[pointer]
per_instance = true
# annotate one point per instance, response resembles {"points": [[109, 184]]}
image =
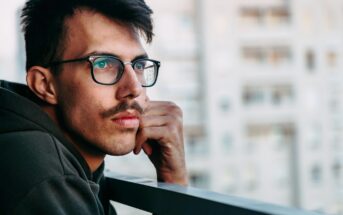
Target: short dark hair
{"points": [[43, 23]]}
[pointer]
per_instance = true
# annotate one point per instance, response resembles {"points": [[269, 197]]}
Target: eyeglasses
{"points": [[108, 69]]}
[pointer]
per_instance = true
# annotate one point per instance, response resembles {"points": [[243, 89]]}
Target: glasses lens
{"points": [[146, 71], [107, 70]]}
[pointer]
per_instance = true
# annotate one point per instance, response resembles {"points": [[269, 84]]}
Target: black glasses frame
{"points": [[92, 58]]}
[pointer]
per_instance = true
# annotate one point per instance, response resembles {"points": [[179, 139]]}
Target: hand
{"points": [[161, 137]]}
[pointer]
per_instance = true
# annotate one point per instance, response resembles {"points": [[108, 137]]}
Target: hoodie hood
{"points": [[20, 110]]}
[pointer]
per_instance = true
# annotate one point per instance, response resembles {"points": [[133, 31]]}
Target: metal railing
{"points": [[165, 199]]}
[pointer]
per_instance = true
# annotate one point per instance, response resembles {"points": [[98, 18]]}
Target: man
{"points": [[87, 74]]}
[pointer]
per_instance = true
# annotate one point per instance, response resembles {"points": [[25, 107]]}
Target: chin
{"points": [[119, 152], [119, 148]]}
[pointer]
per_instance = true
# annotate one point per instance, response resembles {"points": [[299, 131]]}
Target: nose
{"points": [[128, 86]]}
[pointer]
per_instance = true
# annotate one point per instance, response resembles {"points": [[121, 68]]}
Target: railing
{"points": [[165, 199]]}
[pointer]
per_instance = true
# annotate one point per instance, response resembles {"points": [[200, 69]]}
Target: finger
{"points": [[140, 140], [162, 108], [154, 121], [155, 133], [147, 149]]}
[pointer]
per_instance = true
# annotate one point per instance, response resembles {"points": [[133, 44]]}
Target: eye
{"points": [[140, 65], [101, 63]]}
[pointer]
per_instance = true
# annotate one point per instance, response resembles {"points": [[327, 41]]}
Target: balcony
{"points": [[162, 198]]}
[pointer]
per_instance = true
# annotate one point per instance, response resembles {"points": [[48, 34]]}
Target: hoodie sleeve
{"points": [[59, 196]]}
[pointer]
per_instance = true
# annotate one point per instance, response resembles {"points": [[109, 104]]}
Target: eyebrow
{"points": [[141, 56]]}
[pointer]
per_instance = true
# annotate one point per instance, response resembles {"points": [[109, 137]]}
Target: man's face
{"points": [[106, 117]]}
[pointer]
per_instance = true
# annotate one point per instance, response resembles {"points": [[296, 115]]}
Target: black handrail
{"points": [[165, 199]]}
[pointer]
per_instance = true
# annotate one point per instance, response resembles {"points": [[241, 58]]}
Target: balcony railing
{"points": [[165, 199]]}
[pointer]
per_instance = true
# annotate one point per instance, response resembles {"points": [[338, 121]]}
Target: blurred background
{"points": [[260, 84]]}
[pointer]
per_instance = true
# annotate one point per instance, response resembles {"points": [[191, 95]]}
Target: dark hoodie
{"points": [[41, 172]]}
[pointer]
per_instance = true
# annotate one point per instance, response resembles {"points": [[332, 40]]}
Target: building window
{"points": [[251, 16], [337, 171], [280, 135], [275, 95], [281, 94], [283, 135], [267, 55], [265, 16], [253, 96], [279, 15], [310, 60], [331, 59], [316, 174], [253, 55], [227, 141], [200, 180], [224, 105], [279, 55], [195, 145]]}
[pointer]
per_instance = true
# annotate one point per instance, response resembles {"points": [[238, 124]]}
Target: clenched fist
{"points": [[161, 137]]}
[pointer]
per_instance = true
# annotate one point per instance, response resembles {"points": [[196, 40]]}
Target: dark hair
{"points": [[44, 30]]}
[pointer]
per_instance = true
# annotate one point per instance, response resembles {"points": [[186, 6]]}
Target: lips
{"points": [[126, 120]]}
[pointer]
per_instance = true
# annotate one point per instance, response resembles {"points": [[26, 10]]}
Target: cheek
{"points": [[81, 116], [79, 105]]}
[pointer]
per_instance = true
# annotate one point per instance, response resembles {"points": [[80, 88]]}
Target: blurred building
{"points": [[260, 84]]}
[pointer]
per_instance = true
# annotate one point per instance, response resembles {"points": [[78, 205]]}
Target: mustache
{"points": [[122, 107]]}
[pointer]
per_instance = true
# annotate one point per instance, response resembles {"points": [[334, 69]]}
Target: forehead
{"points": [[90, 32]]}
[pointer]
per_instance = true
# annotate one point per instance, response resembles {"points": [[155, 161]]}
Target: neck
{"points": [[93, 157]]}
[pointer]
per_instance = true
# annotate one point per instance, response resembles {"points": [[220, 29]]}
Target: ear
{"points": [[40, 81]]}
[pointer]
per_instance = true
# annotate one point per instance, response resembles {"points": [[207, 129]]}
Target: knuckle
{"points": [[170, 103], [174, 129], [175, 122], [173, 108]]}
